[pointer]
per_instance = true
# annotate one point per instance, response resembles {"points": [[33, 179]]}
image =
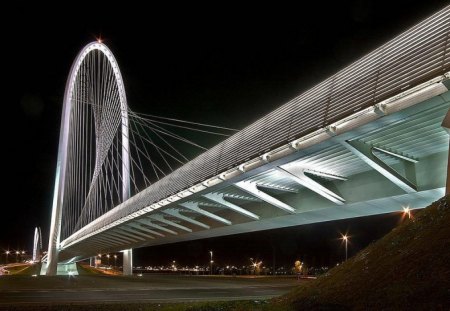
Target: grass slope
{"points": [[85, 269], [23, 269], [408, 269]]}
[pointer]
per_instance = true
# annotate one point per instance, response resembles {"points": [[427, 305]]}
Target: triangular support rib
{"points": [[252, 188], [365, 152]]}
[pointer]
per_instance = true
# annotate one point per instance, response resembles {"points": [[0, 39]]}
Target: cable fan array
{"points": [[94, 173], [162, 144]]}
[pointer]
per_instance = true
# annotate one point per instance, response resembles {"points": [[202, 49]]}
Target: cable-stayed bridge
{"points": [[371, 139]]}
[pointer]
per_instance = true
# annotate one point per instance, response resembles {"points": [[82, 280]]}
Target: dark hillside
{"points": [[408, 269]]}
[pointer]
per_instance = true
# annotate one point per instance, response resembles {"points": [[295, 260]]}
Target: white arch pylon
{"points": [[58, 194]]}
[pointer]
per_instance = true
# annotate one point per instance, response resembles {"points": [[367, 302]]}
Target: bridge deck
{"points": [[295, 158]]}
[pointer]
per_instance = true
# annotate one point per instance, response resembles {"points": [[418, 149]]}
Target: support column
{"points": [[446, 126], [127, 261], [447, 189]]}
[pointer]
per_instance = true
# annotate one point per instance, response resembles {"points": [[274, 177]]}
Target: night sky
{"points": [[226, 65]]}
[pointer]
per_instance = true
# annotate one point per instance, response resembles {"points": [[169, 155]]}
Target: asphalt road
{"points": [[151, 288]]}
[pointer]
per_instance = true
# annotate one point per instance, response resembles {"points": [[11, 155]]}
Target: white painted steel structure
{"points": [[92, 57], [37, 245], [366, 141]]}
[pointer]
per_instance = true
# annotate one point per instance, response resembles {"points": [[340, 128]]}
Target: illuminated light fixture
{"points": [[184, 193], [353, 121], [310, 139], [164, 202], [230, 173], [413, 96], [345, 239], [155, 206], [173, 198], [276, 154], [407, 211], [146, 209], [252, 164], [212, 181], [197, 188]]}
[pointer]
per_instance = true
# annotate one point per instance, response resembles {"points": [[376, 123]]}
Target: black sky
{"points": [[226, 65]]}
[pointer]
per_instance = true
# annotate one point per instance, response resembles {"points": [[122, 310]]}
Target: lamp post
{"points": [[107, 256], [253, 265], [174, 266], [407, 211], [211, 262], [345, 239], [17, 256], [100, 259], [7, 254], [115, 261]]}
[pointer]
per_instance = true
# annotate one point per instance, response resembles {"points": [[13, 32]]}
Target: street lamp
{"points": [[107, 256], [256, 265], [211, 262], [407, 211], [7, 254], [345, 239], [115, 261], [17, 256], [174, 267]]}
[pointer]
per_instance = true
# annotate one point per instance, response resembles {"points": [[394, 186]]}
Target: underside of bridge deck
{"points": [[396, 161]]}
